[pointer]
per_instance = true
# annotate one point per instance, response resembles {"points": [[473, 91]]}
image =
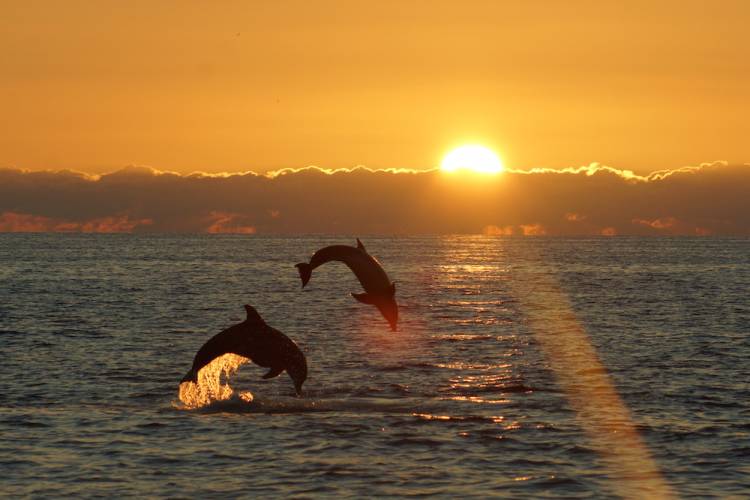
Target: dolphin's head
{"points": [[296, 367], [389, 309]]}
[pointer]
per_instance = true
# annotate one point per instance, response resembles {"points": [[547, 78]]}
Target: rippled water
{"points": [[523, 367]]}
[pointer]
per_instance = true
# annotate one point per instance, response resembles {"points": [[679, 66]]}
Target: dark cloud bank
{"points": [[594, 200]]}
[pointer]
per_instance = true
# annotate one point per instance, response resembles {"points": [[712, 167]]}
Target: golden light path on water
{"points": [[581, 375], [588, 387]]}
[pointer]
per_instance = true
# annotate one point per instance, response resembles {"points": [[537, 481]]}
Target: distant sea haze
{"points": [[710, 199]]}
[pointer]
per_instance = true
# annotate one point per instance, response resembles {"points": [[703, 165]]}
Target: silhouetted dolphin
{"points": [[380, 292], [263, 345]]}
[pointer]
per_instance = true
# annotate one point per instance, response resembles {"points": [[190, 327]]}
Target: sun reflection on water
{"points": [[495, 419], [483, 281], [478, 400]]}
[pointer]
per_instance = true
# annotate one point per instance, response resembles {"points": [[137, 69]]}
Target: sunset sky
{"points": [[609, 118], [234, 86]]}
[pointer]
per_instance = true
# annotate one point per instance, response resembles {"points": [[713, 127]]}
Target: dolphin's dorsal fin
{"points": [[252, 314], [360, 246], [365, 298]]}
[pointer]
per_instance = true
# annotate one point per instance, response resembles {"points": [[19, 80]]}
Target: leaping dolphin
{"points": [[379, 290], [262, 344]]}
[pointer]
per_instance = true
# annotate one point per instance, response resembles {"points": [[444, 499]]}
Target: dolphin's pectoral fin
{"points": [[365, 298], [305, 272], [360, 246], [392, 289], [274, 372]]}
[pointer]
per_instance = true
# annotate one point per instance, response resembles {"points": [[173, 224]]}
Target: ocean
{"points": [[522, 367]]}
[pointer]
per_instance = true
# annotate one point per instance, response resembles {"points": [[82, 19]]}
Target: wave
{"points": [[236, 403]]}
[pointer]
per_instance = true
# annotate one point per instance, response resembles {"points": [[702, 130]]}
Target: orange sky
{"points": [[232, 86]]}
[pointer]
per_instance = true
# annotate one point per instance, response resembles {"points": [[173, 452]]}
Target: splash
{"points": [[213, 383]]}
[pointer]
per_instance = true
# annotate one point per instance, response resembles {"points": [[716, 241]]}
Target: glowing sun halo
{"points": [[474, 158]]}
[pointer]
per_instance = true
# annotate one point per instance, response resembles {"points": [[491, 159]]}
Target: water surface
{"points": [[465, 400]]}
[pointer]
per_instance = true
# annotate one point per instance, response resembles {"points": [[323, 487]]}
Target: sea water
{"points": [[522, 367]]}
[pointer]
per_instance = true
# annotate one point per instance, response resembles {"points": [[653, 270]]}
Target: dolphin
{"points": [[262, 344], [379, 290]]}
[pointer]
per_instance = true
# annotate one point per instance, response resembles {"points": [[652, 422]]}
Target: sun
{"points": [[472, 157]]}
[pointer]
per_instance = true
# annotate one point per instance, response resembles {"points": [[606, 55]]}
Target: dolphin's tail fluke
{"points": [[191, 376], [305, 271]]}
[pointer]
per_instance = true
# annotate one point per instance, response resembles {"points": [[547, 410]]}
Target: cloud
{"points": [[24, 223], [673, 226], [533, 230], [661, 223], [571, 217], [589, 200], [27, 223], [493, 230], [226, 223], [522, 229]]}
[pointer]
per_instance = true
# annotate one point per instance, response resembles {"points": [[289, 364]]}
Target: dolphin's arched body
{"points": [[263, 345], [379, 290]]}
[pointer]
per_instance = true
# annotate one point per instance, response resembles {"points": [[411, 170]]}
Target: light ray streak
{"points": [[581, 375]]}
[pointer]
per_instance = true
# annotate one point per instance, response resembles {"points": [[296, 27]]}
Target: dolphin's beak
{"points": [[393, 321]]}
